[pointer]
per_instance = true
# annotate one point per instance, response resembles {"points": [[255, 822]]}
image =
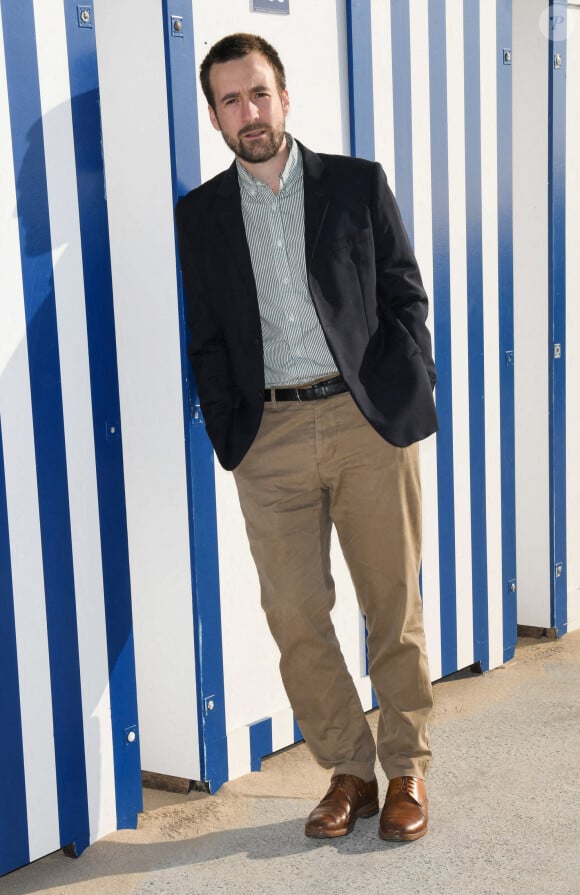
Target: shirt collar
{"points": [[292, 170]]}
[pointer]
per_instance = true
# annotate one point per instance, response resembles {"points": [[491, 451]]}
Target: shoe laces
{"points": [[408, 785]]}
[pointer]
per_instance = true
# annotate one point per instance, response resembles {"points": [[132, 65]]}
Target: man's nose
{"points": [[249, 110]]}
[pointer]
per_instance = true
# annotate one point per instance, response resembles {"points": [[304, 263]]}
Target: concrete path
{"points": [[504, 798]]}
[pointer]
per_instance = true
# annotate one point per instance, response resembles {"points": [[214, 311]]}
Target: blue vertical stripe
{"points": [[83, 74], [402, 110], [186, 174], [557, 336], [360, 78], [442, 331], [13, 816], [506, 325], [260, 742], [471, 32], [298, 737], [47, 411]]}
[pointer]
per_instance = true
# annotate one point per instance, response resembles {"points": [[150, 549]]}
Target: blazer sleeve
{"points": [[400, 292], [207, 346]]}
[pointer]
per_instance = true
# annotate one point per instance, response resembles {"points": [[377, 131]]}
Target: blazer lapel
{"points": [[316, 199], [229, 213], [231, 221]]}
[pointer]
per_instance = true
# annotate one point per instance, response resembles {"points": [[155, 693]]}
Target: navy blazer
{"points": [[365, 285]]}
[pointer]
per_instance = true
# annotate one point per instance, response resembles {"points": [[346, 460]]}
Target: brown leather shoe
{"points": [[406, 811], [347, 799]]}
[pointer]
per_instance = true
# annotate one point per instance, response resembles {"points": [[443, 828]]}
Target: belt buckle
{"points": [[298, 398]]}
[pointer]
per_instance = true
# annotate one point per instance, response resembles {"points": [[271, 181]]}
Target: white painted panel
{"points": [[23, 517], [493, 506], [239, 755], [383, 87], [282, 729], [76, 393], [252, 682], [311, 42], [530, 176], [138, 172], [420, 100], [459, 330], [423, 236], [573, 316]]}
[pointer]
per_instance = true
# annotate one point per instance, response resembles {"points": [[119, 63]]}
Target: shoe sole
{"points": [[367, 812], [404, 837]]}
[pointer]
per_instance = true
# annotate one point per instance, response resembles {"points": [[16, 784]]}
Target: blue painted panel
{"points": [[260, 742], [403, 110], [442, 332], [471, 32], [298, 736], [185, 164], [360, 78], [82, 58], [506, 325], [13, 816], [557, 53]]}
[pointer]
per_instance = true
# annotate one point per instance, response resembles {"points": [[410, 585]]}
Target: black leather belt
{"points": [[335, 386]]}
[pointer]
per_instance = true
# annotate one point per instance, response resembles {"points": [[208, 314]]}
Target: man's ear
{"points": [[285, 101], [213, 118]]}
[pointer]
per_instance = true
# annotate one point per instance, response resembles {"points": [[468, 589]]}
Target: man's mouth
{"points": [[255, 133]]}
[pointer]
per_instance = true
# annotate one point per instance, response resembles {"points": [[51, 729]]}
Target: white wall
{"points": [[139, 196], [531, 309]]}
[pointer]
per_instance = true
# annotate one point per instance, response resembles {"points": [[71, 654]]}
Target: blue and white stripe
{"points": [[97, 403], [445, 169], [68, 600]]}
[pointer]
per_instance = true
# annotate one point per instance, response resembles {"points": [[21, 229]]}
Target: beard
{"points": [[261, 150]]}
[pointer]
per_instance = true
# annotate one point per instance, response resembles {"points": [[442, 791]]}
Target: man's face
{"points": [[249, 111]]}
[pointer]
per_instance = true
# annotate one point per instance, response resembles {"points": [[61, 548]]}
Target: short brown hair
{"points": [[236, 46]]}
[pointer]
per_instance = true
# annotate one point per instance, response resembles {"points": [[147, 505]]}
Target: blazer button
{"points": [[255, 341]]}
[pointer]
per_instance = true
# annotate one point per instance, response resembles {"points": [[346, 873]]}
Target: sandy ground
{"points": [[503, 795]]}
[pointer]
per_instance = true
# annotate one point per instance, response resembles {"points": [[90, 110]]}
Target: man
{"points": [[314, 370]]}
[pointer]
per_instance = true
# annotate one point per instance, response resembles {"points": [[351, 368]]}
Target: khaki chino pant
{"points": [[312, 465]]}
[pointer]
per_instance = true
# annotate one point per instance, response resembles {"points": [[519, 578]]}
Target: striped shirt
{"points": [[295, 349]]}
